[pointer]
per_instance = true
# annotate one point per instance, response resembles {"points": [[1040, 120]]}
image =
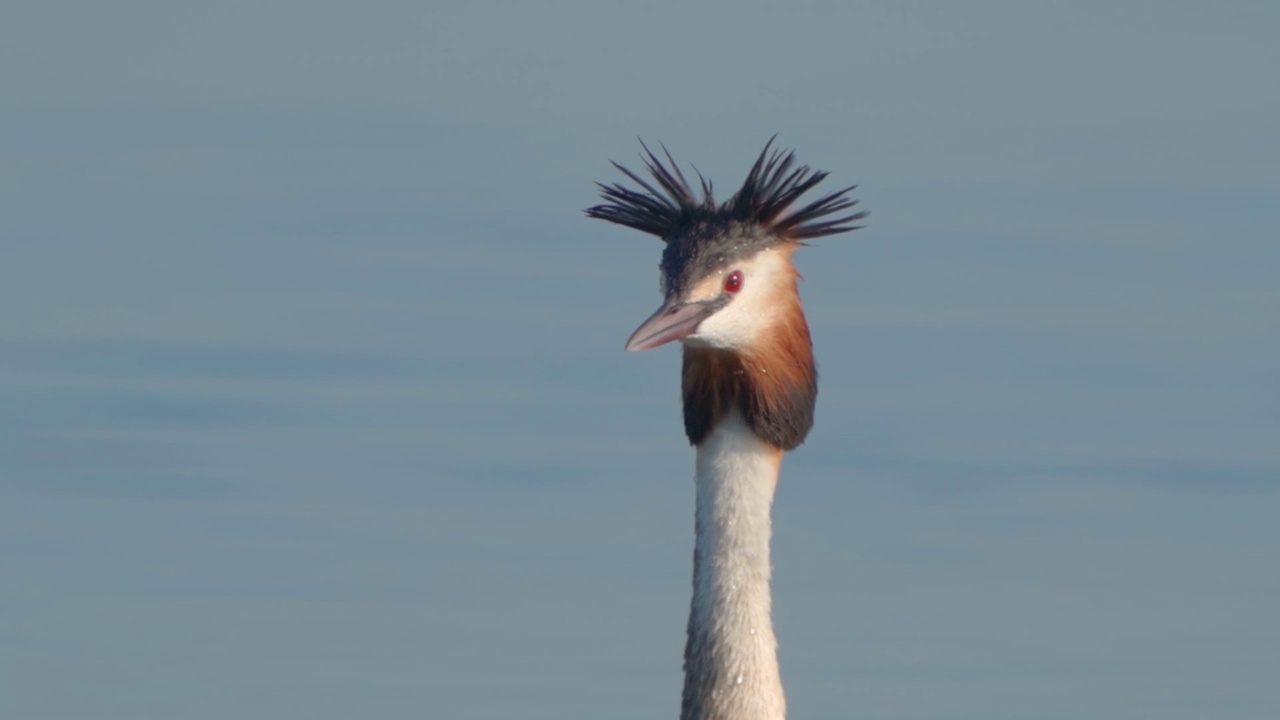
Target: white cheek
{"points": [[727, 329], [752, 311]]}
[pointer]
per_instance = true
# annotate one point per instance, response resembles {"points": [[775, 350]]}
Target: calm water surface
{"points": [[313, 402]]}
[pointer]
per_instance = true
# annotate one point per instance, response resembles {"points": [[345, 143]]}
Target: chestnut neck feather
{"points": [[774, 385]]}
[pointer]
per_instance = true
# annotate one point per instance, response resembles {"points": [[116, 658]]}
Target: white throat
{"points": [[731, 661]]}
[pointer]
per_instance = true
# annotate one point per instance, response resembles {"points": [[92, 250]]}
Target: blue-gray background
{"points": [[313, 402]]}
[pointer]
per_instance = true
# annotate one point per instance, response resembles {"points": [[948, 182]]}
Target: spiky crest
{"points": [[772, 186]]}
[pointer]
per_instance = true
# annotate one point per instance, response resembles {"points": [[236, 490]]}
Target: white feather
{"points": [[736, 478]]}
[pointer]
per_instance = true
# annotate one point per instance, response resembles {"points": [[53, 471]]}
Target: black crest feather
{"points": [[669, 205]]}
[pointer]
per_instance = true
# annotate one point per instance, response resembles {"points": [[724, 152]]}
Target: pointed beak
{"points": [[673, 321]]}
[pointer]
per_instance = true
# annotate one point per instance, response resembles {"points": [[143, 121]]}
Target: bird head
{"points": [[723, 290], [729, 286], [726, 269]]}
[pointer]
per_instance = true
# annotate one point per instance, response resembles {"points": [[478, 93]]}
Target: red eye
{"points": [[733, 282]]}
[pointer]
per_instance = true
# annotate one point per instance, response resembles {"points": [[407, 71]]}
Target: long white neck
{"points": [[731, 659]]}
